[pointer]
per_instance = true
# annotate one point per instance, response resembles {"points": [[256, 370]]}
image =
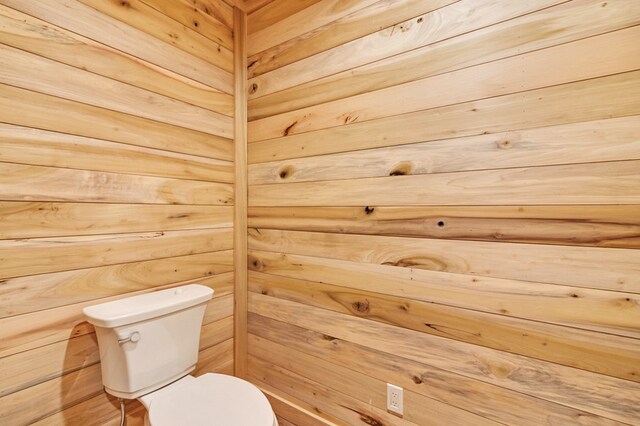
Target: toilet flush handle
{"points": [[132, 337]]}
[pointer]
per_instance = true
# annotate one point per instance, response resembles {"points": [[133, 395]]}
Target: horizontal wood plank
{"points": [[32, 72], [297, 411], [340, 32], [614, 356], [597, 183], [68, 253], [217, 9], [302, 22], [323, 399], [590, 309], [31, 109], [139, 15], [41, 219], [574, 266], [589, 100], [593, 141], [418, 408], [579, 60], [45, 291], [581, 225], [273, 11], [98, 26], [25, 332], [561, 23], [488, 400], [25, 145], [419, 24], [33, 35], [20, 182], [51, 396], [196, 20], [598, 394]]}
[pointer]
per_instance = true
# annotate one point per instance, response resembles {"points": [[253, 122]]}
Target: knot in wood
{"points": [[362, 307]]}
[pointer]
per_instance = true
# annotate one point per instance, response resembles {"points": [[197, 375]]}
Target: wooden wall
{"points": [[445, 195], [116, 178]]}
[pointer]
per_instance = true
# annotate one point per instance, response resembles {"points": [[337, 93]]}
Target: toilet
{"points": [[149, 345]]}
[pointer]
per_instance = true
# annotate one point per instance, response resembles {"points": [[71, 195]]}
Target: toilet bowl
{"points": [[214, 399], [149, 345]]}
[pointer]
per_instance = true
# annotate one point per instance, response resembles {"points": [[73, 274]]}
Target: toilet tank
{"points": [[150, 340]]}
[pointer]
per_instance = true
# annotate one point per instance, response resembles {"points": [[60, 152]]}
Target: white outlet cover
{"points": [[395, 396]]}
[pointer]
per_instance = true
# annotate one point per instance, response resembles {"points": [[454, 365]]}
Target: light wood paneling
{"points": [[42, 219], [485, 399], [553, 264], [582, 59], [443, 195], [596, 99], [241, 197], [471, 48], [582, 225], [98, 26], [116, 179], [54, 42]]}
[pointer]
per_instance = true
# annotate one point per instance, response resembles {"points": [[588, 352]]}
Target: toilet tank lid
{"points": [[146, 306]]}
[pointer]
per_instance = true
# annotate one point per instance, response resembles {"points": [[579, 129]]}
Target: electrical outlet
{"points": [[394, 399]]}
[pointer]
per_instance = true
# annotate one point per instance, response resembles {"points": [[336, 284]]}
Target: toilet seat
{"points": [[209, 400]]}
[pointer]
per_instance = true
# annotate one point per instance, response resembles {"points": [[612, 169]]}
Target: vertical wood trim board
{"points": [[437, 191], [240, 215], [116, 178]]}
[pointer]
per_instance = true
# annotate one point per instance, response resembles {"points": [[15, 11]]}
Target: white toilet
{"points": [[149, 345]]}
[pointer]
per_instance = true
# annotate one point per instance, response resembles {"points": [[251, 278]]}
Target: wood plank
{"points": [[598, 394], [35, 183], [306, 20], [495, 42], [31, 109], [614, 356], [565, 265], [32, 72], [252, 6], [581, 225], [221, 306], [51, 396], [41, 219], [217, 9], [593, 141], [272, 12], [33, 35], [216, 332], [418, 409], [45, 291], [240, 195], [356, 25], [26, 145], [589, 100], [581, 308], [68, 253], [145, 18], [25, 332], [101, 410], [91, 23], [296, 411], [30, 368], [476, 82], [196, 20], [214, 357], [407, 34], [323, 399], [615, 182], [493, 402]]}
